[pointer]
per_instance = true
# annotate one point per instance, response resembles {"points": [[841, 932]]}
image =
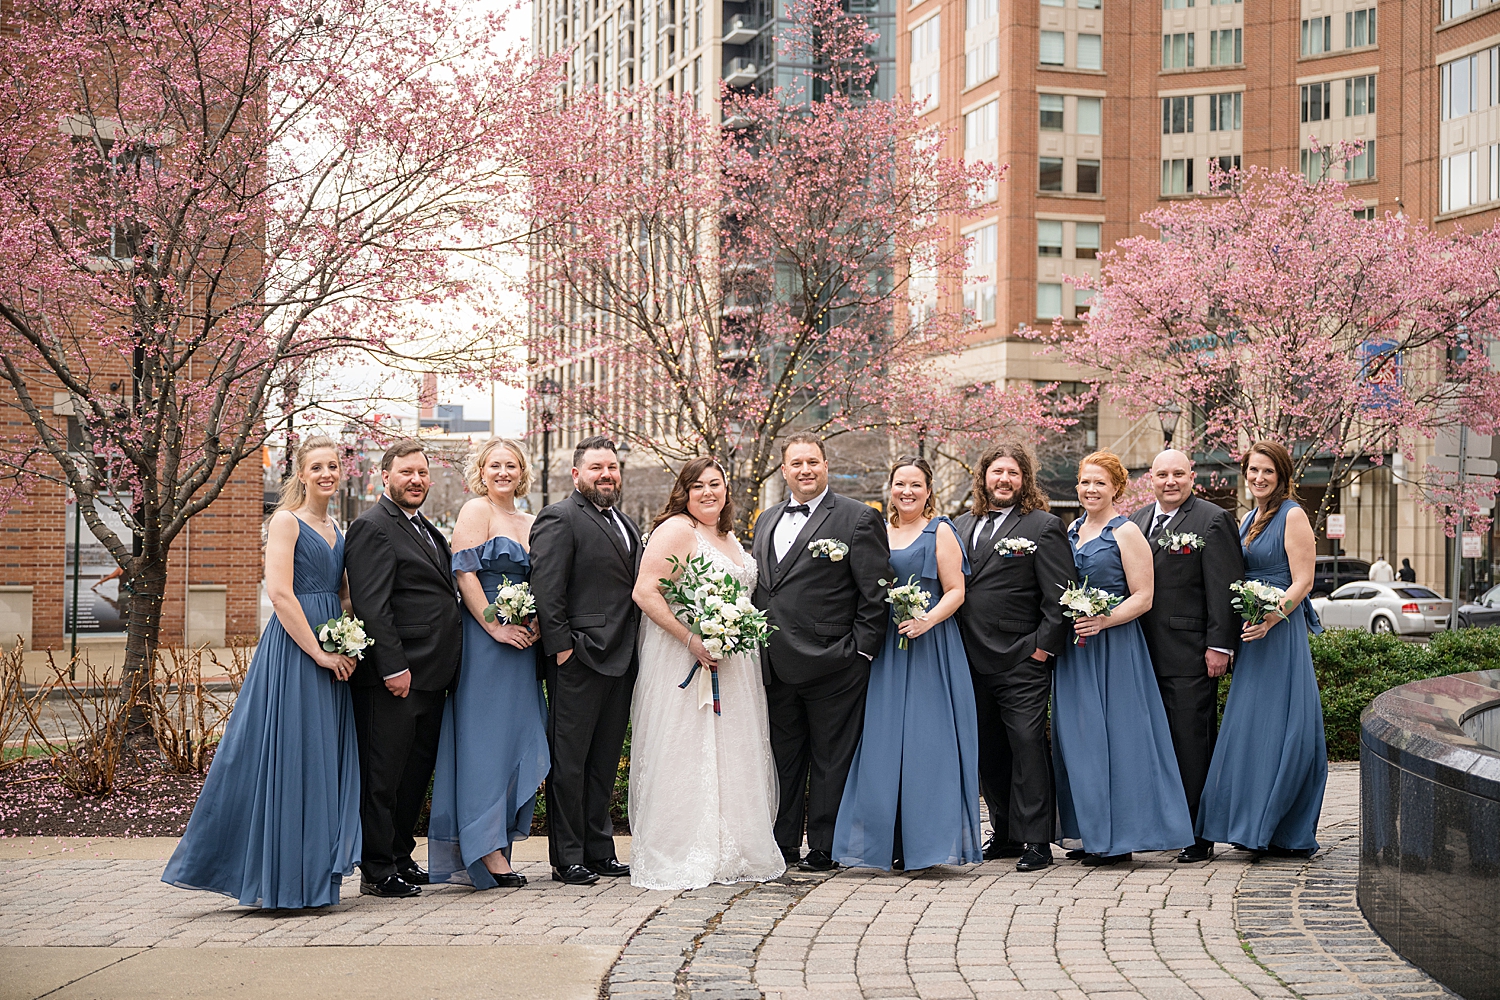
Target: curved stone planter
{"points": [[1429, 867]]}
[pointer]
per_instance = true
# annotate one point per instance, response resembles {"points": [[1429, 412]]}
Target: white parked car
{"points": [[1376, 606]]}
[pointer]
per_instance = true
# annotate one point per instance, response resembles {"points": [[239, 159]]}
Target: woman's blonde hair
{"points": [[293, 489], [1113, 468], [474, 471]]}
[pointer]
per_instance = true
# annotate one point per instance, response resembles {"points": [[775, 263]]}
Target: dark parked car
{"points": [[1481, 612], [1349, 570]]}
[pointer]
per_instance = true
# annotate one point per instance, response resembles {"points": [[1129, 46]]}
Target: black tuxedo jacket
{"points": [[402, 589], [1011, 607], [582, 576], [826, 613], [1190, 610]]}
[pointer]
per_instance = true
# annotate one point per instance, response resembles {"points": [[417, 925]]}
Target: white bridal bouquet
{"points": [[716, 607], [513, 604], [1181, 543], [344, 635], [1012, 548], [1083, 601], [828, 548], [907, 601], [1254, 599]]}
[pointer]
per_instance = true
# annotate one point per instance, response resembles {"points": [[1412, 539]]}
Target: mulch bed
{"points": [[148, 801]]}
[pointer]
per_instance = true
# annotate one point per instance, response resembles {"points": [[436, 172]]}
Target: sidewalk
{"points": [[91, 919]]}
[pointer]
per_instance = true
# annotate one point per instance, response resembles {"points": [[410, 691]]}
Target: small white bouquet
{"points": [[828, 548], [716, 607], [1254, 599], [344, 635], [1083, 601], [1010, 548], [907, 601], [513, 603], [1181, 543]]}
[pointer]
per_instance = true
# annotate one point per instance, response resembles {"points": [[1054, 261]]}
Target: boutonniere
{"points": [[1012, 547], [828, 548], [1183, 543]]}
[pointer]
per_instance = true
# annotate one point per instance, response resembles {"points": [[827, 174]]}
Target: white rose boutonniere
{"points": [[1181, 543], [1010, 548], [828, 548]]}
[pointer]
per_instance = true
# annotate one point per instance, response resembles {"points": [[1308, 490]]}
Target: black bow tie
{"points": [[798, 508]]}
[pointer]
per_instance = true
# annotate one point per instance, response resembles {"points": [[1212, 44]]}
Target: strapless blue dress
{"points": [[492, 754], [277, 823], [1118, 786]]}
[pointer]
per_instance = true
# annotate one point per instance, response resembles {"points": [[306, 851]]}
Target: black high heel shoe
{"points": [[508, 880]]}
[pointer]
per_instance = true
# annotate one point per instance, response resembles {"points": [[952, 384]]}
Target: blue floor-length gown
{"points": [[920, 748], [1270, 764], [493, 751], [1118, 786], [277, 823]]}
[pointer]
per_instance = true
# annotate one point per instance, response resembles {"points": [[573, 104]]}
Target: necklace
{"points": [[512, 511]]}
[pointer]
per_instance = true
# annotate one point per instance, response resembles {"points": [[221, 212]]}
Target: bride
{"points": [[702, 786]]}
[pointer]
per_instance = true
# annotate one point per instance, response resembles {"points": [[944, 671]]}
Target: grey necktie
{"points": [[1162, 518], [416, 522]]}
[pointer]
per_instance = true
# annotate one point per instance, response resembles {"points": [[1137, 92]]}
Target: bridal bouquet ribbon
{"points": [[716, 607], [513, 603], [1010, 548], [1254, 599], [1181, 543], [828, 548], [907, 602], [344, 635], [1083, 601]]}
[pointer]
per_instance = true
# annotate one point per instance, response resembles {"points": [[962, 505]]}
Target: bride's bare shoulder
{"points": [[674, 533]]}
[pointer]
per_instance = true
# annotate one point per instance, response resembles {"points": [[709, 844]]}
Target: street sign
{"points": [[1335, 526], [1472, 548], [1477, 446], [1486, 467]]}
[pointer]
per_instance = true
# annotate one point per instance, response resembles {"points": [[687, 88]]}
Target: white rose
{"points": [[730, 612], [506, 593], [835, 556], [744, 604]]}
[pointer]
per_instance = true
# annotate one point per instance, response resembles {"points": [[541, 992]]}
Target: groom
{"points": [[401, 586], [829, 608]]}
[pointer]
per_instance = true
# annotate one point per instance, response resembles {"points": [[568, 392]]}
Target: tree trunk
{"points": [[147, 588]]}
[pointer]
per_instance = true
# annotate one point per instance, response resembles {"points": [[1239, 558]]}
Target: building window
{"points": [[1314, 165], [1359, 28], [1049, 173], [982, 125], [1366, 214], [1359, 96], [1090, 115], [1083, 301], [1049, 238], [1176, 115], [1317, 35], [1458, 8], [1362, 164], [1224, 172], [1088, 176], [1177, 176], [1088, 4], [1222, 3], [1177, 50], [1048, 300], [979, 302], [1224, 112], [925, 39], [1051, 48], [1090, 51], [1086, 240], [1460, 86], [1317, 101], [985, 248], [1051, 106], [1225, 47], [925, 78], [980, 11], [1460, 181], [1054, 3], [982, 62], [1176, 4], [1495, 173]]}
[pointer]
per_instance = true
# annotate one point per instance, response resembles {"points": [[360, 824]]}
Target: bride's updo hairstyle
{"points": [[1113, 468], [929, 509], [677, 502]]}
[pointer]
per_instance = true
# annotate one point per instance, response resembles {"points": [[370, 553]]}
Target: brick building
{"points": [[1104, 110]]}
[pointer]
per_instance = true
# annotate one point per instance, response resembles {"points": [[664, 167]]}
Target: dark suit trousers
{"points": [[815, 729], [1192, 705], [586, 720], [398, 744], [1015, 766]]}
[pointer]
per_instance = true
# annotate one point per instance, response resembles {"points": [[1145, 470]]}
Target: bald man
{"points": [[1192, 630]]}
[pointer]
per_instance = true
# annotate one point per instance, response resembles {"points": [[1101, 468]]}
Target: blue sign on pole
{"points": [[1380, 371]]}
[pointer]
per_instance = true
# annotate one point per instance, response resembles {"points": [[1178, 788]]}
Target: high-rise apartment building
{"points": [[1104, 110]]}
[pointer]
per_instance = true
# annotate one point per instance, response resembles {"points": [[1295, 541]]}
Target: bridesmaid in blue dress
{"points": [[1118, 787], [1270, 764], [912, 797], [277, 823], [492, 754]]}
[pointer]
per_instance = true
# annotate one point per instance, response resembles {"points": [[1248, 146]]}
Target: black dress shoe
{"points": [[1076, 855], [1287, 852], [791, 855], [574, 875], [818, 861], [1196, 853], [996, 847], [390, 887], [609, 868], [1100, 860], [1034, 857], [413, 874], [508, 880]]}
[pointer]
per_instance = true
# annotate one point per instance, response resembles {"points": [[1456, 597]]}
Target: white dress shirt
{"points": [[983, 524], [1156, 512], [613, 517], [790, 526]]}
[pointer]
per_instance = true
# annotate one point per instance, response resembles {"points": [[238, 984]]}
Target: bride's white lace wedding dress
{"points": [[703, 788]]}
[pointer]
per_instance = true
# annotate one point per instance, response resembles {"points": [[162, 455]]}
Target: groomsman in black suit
{"points": [[401, 586], [1013, 626], [1192, 630], [829, 608], [584, 558]]}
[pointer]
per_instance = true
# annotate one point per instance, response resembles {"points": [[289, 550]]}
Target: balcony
{"points": [[740, 72], [740, 29]]}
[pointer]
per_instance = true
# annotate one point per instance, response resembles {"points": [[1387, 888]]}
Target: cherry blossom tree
{"points": [[1272, 311], [203, 203], [791, 266]]}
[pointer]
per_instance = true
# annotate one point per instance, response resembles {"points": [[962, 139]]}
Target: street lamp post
{"points": [[1168, 414], [547, 394]]}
